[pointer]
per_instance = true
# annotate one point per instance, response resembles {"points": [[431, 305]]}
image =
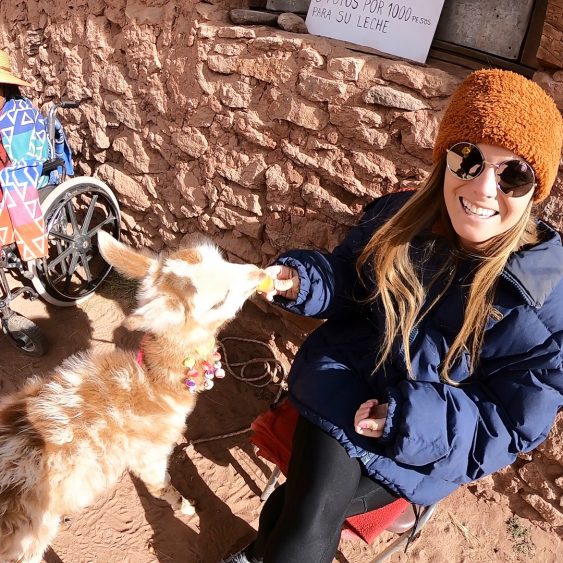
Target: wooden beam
{"points": [[550, 52]]}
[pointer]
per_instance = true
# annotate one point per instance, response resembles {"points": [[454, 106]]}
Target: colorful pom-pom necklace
{"points": [[208, 369], [195, 368]]}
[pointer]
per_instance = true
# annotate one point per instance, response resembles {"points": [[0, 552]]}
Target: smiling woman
{"points": [[441, 357], [478, 206]]}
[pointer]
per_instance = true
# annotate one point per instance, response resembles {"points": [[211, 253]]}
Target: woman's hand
{"points": [[370, 418], [286, 282]]}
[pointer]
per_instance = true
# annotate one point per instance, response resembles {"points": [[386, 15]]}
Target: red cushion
{"points": [[273, 435]]}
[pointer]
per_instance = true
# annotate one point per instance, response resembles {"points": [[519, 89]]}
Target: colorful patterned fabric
{"points": [[23, 130], [23, 134], [20, 198], [6, 229]]}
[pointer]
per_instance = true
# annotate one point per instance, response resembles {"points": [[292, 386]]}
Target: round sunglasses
{"points": [[515, 177]]}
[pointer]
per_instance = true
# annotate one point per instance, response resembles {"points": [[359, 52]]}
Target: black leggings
{"points": [[302, 520]]}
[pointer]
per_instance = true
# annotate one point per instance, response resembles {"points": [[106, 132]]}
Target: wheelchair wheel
{"points": [[74, 212], [24, 334]]}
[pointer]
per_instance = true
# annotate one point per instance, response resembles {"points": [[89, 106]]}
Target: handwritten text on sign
{"points": [[402, 28]]}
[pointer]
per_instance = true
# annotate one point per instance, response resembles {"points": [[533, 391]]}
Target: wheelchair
{"points": [[74, 209]]}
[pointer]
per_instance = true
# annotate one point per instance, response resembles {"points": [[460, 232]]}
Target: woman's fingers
{"points": [[371, 427], [370, 418], [279, 272], [273, 271], [362, 411], [270, 290], [285, 282], [360, 415], [369, 424], [365, 410], [283, 285], [371, 403]]}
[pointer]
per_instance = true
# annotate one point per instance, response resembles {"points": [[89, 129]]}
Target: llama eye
{"points": [[220, 303]]}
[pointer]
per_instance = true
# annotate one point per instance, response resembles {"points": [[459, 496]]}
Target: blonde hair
{"points": [[398, 282]]}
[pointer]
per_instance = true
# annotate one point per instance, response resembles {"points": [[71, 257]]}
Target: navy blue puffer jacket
{"points": [[437, 436]]}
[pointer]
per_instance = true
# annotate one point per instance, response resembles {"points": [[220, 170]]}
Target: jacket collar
{"points": [[534, 272]]}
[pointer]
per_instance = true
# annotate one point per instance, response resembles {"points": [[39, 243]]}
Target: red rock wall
{"points": [[265, 140]]}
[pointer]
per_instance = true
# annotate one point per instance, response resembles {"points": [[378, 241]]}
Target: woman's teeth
{"points": [[480, 211]]}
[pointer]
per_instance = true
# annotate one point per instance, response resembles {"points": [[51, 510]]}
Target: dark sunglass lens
{"points": [[516, 178], [465, 161]]}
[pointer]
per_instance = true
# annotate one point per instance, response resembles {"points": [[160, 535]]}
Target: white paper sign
{"points": [[403, 28]]}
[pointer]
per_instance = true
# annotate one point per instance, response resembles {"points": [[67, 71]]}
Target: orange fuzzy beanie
{"points": [[499, 107]]}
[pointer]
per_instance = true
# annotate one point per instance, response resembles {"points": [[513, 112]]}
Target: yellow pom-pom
{"points": [[266, 285], [189, 362]]}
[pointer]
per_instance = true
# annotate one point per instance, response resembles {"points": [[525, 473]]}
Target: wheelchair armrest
{"points": [[52, 164]]}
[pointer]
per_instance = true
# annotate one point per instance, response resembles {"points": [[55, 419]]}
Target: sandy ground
{"points": [[224, 476]]}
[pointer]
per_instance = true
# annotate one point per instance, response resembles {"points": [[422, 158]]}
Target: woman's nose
{"points": [[485, 185]]}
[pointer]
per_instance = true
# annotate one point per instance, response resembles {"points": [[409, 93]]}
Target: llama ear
{"points": [[131, 263], [159, 314]]}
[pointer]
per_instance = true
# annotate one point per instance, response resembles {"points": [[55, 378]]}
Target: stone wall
{"points": [[262, 139]]}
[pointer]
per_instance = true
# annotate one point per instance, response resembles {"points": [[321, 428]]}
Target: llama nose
{"points": [[259, 274], [265, 282]]}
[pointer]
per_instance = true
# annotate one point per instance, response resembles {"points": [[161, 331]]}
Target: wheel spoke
{"points": [[55, 280], [60, 248], [62, 276], [71, 271], [72, 217], [60, 235], [86, 267], [60, 258], [89, 214], [73, 263], [58, 224], [109, 219]]}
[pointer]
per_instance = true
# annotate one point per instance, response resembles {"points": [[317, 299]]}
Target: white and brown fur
{"points": [[66, 438]]}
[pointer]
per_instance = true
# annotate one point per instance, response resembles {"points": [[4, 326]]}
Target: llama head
{"points": [[189, 290]]}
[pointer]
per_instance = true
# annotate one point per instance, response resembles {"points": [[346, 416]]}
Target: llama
{"points": [[68, 437]]}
